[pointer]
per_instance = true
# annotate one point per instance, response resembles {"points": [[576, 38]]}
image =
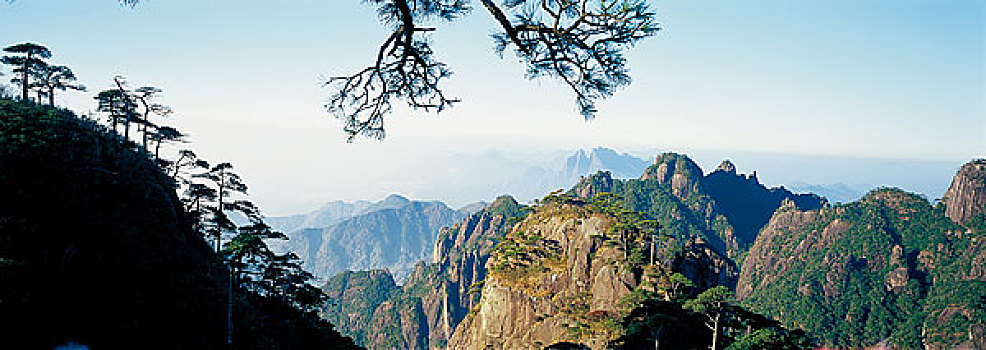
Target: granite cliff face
{"points": [[966, 197], [562, 276], [424, 312], [888, 269]]}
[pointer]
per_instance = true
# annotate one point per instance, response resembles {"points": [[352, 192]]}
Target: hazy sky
{"points": [[876, 79]]}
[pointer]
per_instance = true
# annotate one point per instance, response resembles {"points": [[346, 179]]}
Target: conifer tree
{"points": [[27, 56], [50, 78]]}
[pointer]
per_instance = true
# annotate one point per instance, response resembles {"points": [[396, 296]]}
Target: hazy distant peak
{"points": [[337, 204], [471, 208], [621, 165], [393, 201], [726, 166]]}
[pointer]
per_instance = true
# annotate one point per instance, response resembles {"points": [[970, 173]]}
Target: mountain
{"points": [[966, 197], [394, 233], [621, 166], [423, 313], [328, 214], [724, 208], [889, 269], [97, 250], [472, 208], [563, 278], [834, 193]]}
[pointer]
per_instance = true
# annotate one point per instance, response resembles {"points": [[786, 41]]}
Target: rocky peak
{"points": [[726, 166], [597, 183], [966, 197], [705, 266], [667, 165], [560, 274], [675, 169]]}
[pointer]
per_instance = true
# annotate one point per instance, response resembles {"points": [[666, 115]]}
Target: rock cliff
{"points": [[568, 275], [966, 197]]}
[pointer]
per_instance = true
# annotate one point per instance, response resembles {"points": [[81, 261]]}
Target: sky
{"points": [[898, 80]]}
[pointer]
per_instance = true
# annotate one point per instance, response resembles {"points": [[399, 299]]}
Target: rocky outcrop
{"points": [[534, 292], [705, 266], [597, 183], [677, 170], [966, 197], [561, 277]]}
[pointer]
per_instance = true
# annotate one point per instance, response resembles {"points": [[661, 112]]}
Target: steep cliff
{"points": [[572, 273], [966, 197], [545, 278], [888, 269], [437, 296]]}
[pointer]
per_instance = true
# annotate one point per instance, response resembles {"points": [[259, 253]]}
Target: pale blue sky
{"points": [[877, 79]]}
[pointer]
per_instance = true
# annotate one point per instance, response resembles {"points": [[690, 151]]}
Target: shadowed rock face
{"points": [[966, 197]]}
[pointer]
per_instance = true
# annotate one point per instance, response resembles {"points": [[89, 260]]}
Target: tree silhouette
{"points": [[580, 42], [129, 105], [226, 184], [145, 95], [113, 103], [49, 78], [165, 134], [28, 56], [187, 159]]}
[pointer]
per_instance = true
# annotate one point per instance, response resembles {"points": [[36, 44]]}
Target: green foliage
{"points": [[840, 294], [771, 338]]}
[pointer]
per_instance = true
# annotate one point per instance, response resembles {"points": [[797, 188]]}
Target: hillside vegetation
{"points": [[96, 249], [890, 268]]}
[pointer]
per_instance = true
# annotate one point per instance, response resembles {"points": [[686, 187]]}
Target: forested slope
{"points": [[96, 248]]}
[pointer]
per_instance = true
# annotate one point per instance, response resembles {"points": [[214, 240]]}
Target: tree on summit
{"points": [[51, 78], [28, 56]]}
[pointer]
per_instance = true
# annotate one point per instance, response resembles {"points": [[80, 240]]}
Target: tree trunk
{"points": [[157, 150], [126, 126], [715, 332], [51, 97], [144, 128], [229, 311], [24, 78], [222, 178]]}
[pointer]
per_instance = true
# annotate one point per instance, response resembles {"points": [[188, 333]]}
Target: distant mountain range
{"points": [[835, 193], [394, 234], [889, 270]]}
